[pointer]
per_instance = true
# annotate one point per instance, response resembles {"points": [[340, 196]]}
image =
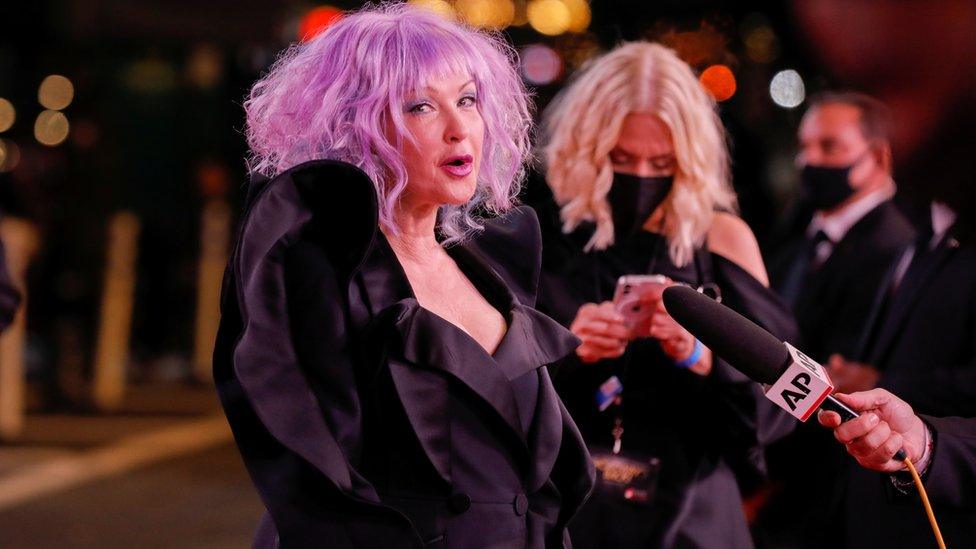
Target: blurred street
{"points": [[162, 472]]}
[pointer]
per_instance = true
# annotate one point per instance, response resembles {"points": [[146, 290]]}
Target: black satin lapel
{"points": [[429, 341], [550, 341], [547, 432], [423, 396], [483, 275]]}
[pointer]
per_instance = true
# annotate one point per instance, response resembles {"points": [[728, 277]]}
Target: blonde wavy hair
{"points": [[582, 124]]}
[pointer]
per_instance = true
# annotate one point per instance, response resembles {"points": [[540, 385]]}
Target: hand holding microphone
{"points": [[799, 385], [886, 425], [791, 380]]}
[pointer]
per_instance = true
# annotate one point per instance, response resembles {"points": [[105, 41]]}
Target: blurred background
{"points": [[121, 171]]}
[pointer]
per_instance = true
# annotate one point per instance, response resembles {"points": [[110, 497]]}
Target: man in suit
{"points": [[921, 346], [829, 275]]}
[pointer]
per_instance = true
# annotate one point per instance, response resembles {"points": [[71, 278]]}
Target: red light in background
{"points": [[317, 20], [719, 81]]}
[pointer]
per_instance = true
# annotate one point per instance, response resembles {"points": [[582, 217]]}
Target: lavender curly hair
{"points": [[334, 96]]}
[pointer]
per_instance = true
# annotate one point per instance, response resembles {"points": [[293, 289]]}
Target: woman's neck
{"points": [[415, 238]]}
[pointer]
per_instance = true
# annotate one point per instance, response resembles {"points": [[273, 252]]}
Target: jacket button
{"points": [[521, 504], [459, 502]]}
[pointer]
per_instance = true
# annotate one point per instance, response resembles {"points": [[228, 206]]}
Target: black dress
{"points": [[708, 432], [366, 420]]}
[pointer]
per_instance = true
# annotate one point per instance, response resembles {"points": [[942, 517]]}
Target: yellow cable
{"points": [[925, 502]]}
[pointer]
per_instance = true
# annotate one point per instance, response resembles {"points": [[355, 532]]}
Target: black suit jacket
{"points": [[353, 406], [835, 301], [951, 477], [924, 343]]}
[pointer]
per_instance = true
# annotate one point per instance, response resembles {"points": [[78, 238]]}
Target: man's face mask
{"points": [[633, 199], [826, 187]]}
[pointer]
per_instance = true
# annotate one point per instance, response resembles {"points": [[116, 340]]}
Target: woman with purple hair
{"points": [[379, 359]]}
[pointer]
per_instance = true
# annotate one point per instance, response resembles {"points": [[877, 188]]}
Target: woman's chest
{"points": [[456, 300]]}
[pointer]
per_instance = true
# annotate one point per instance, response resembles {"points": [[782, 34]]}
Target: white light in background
{"points": [[787, 89]]}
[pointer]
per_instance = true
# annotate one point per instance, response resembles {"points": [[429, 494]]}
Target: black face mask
{"points": [[633, 199], [825, 187]]}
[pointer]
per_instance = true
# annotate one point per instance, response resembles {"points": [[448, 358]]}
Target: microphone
{"points": [[791, 380]]}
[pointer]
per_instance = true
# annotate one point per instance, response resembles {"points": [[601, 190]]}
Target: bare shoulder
{"points": [[730, 237]]}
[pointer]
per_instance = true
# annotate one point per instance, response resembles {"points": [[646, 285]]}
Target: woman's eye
{"points": [[421, 108], [468, 101]]}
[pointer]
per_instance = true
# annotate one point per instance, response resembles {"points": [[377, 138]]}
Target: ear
{"points": [[882, 155]]}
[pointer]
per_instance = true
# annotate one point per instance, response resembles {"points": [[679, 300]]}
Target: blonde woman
{"points": [[637, 164]]}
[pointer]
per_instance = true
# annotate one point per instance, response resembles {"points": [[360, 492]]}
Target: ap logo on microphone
{"points": [[802, 387]]}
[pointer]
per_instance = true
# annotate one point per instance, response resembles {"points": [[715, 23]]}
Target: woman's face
{"points": [[644, 147], [442, 163]]}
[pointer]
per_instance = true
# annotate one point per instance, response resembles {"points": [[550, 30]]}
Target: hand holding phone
{"points": [[637, 297]]}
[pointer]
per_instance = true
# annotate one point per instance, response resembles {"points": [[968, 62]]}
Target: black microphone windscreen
{"points": [[732, 337]]}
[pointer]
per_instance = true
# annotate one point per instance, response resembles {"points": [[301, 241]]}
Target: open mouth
{"points": [[458, 161], [458, 166]]}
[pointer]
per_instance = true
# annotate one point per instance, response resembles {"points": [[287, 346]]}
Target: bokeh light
{"points": [[549, 17], [579, 14], [787, 89], [150, 75], [761, 45], [9, 155], [204, 66], [492, 14], [440, 7], [51, 128], [317, 20], [719, 81], [8, 114], [521, 15], [55, 92], [540, 64]]}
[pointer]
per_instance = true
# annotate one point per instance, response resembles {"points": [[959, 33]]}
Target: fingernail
{"points": [[873, 419]]}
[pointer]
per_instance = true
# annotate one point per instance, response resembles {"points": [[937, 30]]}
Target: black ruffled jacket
{"points": [[366, 420]]}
